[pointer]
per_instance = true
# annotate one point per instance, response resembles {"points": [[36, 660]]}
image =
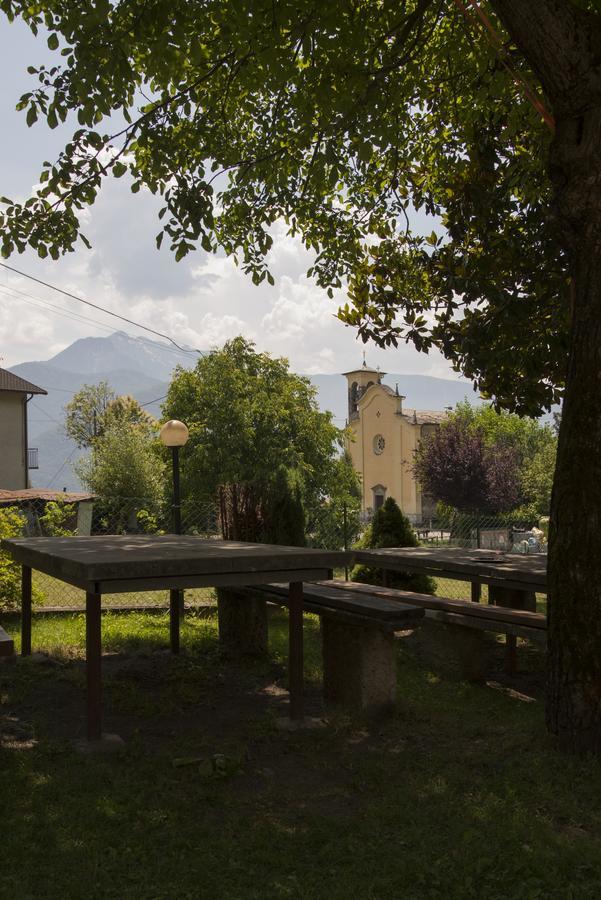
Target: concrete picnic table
{"points": [[526, 573], [124, 563], [513, 579]]}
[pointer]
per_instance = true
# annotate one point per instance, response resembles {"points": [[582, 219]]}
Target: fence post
{"points": [[345, 527]]}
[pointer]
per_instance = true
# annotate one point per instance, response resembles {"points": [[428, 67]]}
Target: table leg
{"points": [[25, 611], [174, 613], [511, 599], [93, 666], [295, 649], [476, 591]]}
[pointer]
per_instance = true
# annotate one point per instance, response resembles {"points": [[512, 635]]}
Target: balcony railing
{"points": [[32, 458]]}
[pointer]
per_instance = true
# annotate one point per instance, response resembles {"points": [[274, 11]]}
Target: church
{"points": [[383, 436]]}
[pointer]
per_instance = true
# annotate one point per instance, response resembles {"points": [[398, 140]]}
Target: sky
{"points": [[201, 301]]}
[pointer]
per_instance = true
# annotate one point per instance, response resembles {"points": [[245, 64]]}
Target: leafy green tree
{"points": [[96, 407], [390, 528], [124, 465], [537, 480], [336, 523], [250, 419], [341, 119], [124, 411], [284, 516], [85, 412]]}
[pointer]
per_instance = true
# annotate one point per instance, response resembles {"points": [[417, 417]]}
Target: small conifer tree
{"points": [[390, 528], [283, 513]]}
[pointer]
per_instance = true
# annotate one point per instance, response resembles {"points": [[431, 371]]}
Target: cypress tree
{"points": [[390, 528]]}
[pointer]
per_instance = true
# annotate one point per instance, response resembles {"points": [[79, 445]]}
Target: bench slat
{"points": [[462, 607], [322, 596]]}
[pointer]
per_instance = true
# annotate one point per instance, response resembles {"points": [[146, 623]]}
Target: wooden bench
{"points": [[7, 645], [466, 621], [358, 649]]}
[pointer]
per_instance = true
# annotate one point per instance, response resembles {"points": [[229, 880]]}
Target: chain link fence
{"points": [[331, 526]]}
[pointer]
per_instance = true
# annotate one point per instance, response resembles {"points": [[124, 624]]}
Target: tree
{"points": [[253, 426], [481, 460], [123, 411], [96, 407], [341, 119], [455, 466], [85, 412], [126, 471], [390, 528]]}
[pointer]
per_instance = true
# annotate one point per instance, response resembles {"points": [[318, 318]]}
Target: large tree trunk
{"points": [[562, 43], [574, 672]]}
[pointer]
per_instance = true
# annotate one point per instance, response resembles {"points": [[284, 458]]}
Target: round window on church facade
{"points": [[379, 444]]}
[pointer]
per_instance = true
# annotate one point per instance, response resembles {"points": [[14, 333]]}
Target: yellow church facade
{"points": [[382, 438]]}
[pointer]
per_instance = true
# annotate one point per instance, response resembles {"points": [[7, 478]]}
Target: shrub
{"points": [[12, 524], [390, 528], [57, 518]]}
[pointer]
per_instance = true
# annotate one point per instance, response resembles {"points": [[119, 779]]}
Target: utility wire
{"points": [[101, 308], [156, 400], [58, 471], [39, 303]]}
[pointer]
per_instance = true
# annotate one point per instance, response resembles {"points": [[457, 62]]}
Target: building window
{"points": [[379, 444]]}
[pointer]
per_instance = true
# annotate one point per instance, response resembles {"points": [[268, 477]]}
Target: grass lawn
{"points": [[459, 795]]}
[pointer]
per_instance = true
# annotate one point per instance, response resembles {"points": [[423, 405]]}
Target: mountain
{"points": [[143, 368], [122, 352]]}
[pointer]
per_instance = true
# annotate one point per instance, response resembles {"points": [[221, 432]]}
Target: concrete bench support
{"points": [[466, 648], [7, 646], [359, 666], [458, 650], [242, 623]]}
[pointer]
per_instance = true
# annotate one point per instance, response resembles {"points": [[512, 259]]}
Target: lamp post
{"points": [[174, 434]]}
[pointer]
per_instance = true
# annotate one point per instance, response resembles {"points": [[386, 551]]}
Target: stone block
{"points": [[359, 666], [456, 650], [242, 623]]}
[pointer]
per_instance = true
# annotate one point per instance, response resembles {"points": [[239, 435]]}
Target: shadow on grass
{"points": [[458, 795]]}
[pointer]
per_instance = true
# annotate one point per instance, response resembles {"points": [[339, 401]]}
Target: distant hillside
{"points": [[143, 369]]}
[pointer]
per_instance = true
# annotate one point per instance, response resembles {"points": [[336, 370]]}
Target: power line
{"points": [[44, 413], [58, 471], [149, 402], [101, 309], [31, 299]]}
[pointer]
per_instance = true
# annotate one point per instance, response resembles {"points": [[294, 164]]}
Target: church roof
{"points": [[365, 368], [425, 416]]}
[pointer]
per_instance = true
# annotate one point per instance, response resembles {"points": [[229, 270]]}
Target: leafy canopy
{"points": [[250, 418], [480, 460], [124, 463], [343, 120], [95, 408]]}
